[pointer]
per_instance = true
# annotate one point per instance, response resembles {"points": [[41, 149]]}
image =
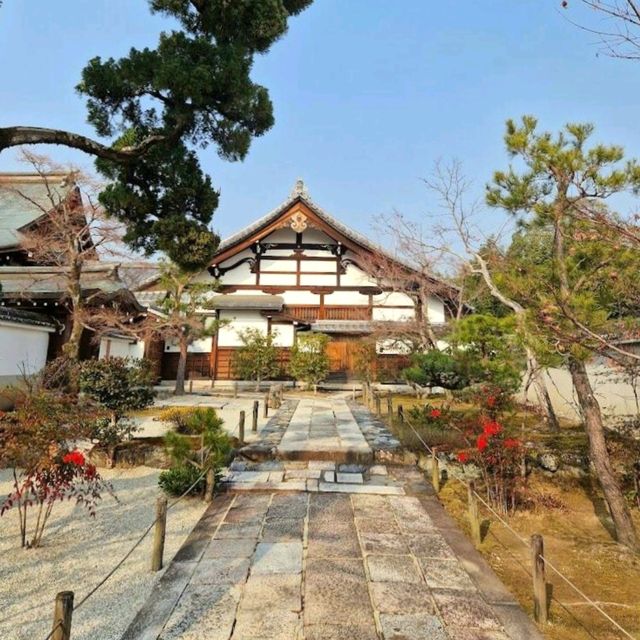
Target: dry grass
{"points": [[571, 515]]}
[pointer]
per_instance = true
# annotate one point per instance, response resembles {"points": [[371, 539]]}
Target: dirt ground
{"points": [[570, 514]]}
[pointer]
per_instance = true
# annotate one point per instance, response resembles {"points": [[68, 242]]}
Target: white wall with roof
{"points": [[23, 349]]}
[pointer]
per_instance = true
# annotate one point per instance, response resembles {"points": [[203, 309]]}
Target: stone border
{"points": [[266, 448]]}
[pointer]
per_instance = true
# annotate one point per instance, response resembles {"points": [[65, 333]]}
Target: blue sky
{"points": [[367, 93]]}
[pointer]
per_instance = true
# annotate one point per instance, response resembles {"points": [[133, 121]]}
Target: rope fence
{"points": [[64, 605], [541, 604]]}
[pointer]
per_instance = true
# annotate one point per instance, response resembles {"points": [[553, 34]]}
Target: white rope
{"points": [[525, 542]]}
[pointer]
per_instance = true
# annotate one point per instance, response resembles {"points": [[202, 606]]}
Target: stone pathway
{"points": [[306, 551], [324, 429]]}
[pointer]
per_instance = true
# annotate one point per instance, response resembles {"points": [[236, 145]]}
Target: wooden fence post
{"points": [[400, 413], [390, 405], [435, 470], [235, 388], [159, 534], [540, 604], [254, 423], [474, 516], [265, 411], [210, 484], [62, 614], [378, 406], [191, 385], [241, 427]]}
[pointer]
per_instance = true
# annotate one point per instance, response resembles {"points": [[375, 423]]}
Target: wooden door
{"points": [[338, 352]]}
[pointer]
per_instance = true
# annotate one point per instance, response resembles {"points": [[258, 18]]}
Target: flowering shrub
{"points": [[68, 476], [35, 444], [429, 415], [498, 458]]}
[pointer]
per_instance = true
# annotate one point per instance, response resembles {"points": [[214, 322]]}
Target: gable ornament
{"points": [[299, 222]]}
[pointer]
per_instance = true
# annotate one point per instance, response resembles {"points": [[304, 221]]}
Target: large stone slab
{"points": [[416, 626], [336, 592], [401, 597], [204, 611], [277, 557], [393, 569]]}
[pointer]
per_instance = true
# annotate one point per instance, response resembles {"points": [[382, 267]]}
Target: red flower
{"points": [[435, 413], [482, 442], [511, 443], [492, 428], [463, 457], [74, 457], [491, 401]]}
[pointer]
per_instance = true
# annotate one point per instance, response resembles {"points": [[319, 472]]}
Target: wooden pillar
{"points": [[62, 615], [254, 422], [540, 604], [159, 534], [390, 405], [435, 470], [474, 516], [400, 414], [241, 421]]}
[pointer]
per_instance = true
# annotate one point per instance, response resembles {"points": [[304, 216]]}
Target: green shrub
{"points": [[438, 369], [212, 448], [179, 478], [118, 384], [309, 359]]}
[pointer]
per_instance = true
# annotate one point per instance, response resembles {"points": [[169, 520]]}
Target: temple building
{"points": [[293, 270]]}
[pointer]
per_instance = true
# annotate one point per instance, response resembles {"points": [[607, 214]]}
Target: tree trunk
{"points": [[544, 399], [72, 347], [182, 367], [624, 527]]}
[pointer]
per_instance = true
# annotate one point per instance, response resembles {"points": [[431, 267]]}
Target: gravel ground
{"points": [[78, 551]]}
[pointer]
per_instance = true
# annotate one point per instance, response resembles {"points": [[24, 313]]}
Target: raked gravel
{"points": [[78, 551]]}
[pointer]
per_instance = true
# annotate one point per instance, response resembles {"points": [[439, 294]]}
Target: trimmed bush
{"points": [[179, 478]]}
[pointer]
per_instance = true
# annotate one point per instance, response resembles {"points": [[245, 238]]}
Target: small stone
{"points": [[548, 462], [349, 478], [378, 470], [329, 476]]}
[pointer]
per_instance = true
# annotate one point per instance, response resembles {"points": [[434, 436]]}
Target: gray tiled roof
{"points": [[18, 316], [23, 199], [50, 282], [262, 302]]}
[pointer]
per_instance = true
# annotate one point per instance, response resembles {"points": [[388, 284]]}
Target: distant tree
{"points": [[573, 263], [309, 360], [183, 304], [71, 233], [257, 358], [620, 28], [120, 385], [151, 108]]}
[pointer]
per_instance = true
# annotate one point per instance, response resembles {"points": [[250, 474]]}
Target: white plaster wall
{"points": [[393, 347], [393, 299], [278, 279], [316, 266], [392, 314], [435, 310], [315, 280], [355, 277], [614, 396], [277, 265], [283, 335], [281, 235], [315, 236], [239, 321], [300, 297], [344, 298], [240, 275], [22, 348], [121, 348]]}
